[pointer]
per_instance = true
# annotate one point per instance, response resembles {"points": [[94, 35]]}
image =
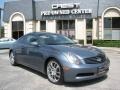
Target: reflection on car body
{"points": [[59, 57]]}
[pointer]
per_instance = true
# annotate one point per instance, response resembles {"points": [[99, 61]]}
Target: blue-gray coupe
{"points": [[60, 58]]}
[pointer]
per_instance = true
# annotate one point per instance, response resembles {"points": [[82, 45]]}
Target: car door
{"points": [[34, 53], [20, 50]]}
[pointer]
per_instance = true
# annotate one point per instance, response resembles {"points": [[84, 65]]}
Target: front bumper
{"points": [[86, 72]]}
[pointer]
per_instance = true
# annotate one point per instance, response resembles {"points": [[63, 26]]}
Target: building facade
{"points": [[78, 19]]}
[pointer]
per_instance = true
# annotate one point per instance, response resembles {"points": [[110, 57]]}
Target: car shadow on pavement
{"points": [[67, 84], [33, 71], [85, 83]]}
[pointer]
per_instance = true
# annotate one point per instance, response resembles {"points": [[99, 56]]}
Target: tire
{"points": [[12, 59], [54, 72]]}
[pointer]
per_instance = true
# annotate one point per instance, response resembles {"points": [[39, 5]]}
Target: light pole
{"points": [[0, 20], [98, 2]]}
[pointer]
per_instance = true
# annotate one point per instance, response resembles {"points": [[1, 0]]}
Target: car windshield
{"points": [[54, 39]]}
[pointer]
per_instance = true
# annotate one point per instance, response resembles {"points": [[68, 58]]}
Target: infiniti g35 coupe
{"points": [[60, 58]]}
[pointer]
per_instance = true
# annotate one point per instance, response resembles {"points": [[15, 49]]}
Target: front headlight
{"points": [[74, 59]]}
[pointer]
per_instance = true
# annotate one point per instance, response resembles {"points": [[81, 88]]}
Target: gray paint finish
{"points": [[33, 11]]}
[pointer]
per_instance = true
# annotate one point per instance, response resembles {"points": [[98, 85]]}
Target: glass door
{"points": [[17, 29], [89, 26]]}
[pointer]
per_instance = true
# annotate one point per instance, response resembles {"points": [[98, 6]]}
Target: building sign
{"points": [[66, 12], [66, 9], [65, 6]]}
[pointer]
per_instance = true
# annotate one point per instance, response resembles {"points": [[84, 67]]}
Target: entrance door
{"points": [[89, 36], [17, 29], [89, 27]]}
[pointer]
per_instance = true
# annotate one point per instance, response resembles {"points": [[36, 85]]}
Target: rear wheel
{"points": [[12, 59], [54, 72]]}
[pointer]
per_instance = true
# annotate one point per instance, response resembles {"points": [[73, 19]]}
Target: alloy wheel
{"points": [[54, 71], [12, 58]]}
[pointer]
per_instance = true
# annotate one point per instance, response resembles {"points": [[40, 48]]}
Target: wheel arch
{"points": [[10, 51]]}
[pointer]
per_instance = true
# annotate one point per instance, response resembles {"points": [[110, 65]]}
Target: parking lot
{"points": [[23, 78]]}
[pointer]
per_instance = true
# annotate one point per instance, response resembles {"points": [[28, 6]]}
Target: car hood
{"points": [[82, 51]]}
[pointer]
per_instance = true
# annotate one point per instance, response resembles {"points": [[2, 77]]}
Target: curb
{"points": [[110, 48], [2, 51]]}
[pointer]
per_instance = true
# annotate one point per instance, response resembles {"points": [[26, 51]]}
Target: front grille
{"points": [[95, 60]]}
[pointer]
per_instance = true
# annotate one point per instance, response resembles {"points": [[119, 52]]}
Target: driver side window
{"points": [[31, 39]]}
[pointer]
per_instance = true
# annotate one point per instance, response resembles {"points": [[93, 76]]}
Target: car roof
{"points": [[40, 33]]}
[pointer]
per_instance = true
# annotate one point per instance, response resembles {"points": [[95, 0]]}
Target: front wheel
{"points": [[12, 59], [54, 72]]}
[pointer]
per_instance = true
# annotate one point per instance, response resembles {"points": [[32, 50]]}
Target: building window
{"points": [[43, 25], [72, 24], [65, 24], [66, 27], [59, 25], [112, 28], [116, 23], [107, 23], [17, 26], [89, 23], [17, 29]]}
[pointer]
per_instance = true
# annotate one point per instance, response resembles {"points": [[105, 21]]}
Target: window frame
{"points": [[42, 25], [68, 26]]}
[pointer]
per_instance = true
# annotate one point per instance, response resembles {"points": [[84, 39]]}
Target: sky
{"points": [[1, 3]]}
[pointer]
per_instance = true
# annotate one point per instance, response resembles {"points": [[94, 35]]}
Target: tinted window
{"points": [[107, 22], [43, 25], [112, 22], [65, 24], [31, 38], [72, 24], [116, 22], [17, 25], [59, 25], [89, 24], [54, 40]]}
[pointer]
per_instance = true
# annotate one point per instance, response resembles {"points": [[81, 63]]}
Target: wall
{"points": [[80, 29], [7, 29], [51, 26], [30, 27]]}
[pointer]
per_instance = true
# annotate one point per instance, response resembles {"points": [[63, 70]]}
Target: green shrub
{"points": [[106, 43]]}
